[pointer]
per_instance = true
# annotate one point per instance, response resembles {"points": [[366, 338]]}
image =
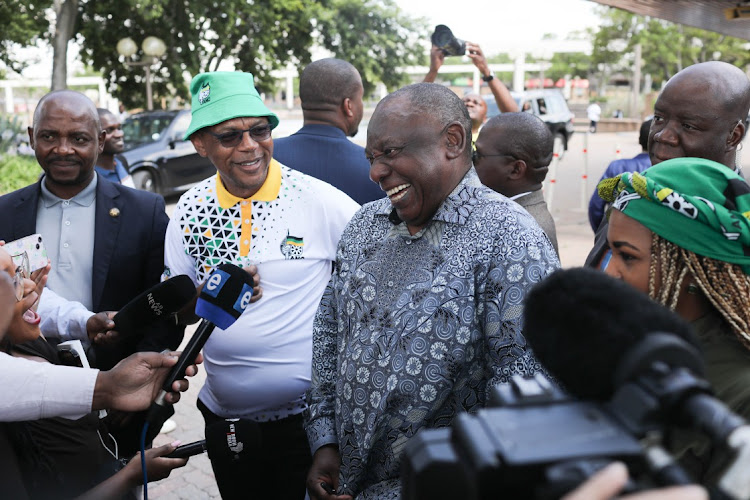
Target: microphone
{"points": [[158, 302], [604, 340], [225, 295], [580, 322]]}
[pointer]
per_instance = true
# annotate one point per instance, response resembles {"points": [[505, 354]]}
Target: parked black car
{"points": [[547, 104], [158, 158]]}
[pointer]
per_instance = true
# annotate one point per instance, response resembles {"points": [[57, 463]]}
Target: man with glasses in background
{"points": [[256, 212], [512, 156]]}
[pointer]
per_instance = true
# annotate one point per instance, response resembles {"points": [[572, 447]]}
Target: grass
{"points": [[17, 172]]}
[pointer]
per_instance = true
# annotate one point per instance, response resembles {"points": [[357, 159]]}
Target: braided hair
{"points": [[725, 285]]}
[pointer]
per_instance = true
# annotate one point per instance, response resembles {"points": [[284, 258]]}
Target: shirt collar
{"points": [[85, 198], [269, 191], [456, 207]]}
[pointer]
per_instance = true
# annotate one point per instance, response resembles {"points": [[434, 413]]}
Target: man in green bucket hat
{"points": [[283, 225]]}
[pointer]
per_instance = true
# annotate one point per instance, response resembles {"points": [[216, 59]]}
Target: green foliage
{"points": [[10, 127], [22, 22], [259, 36], [374, 36], [666, 48], [17, 172]]}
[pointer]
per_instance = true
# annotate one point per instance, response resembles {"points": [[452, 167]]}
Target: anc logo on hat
{"points": [[205, 93]]}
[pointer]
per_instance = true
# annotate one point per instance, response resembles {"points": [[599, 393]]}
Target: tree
{"points": [[375, 37], [21, 23], [666, 47]]}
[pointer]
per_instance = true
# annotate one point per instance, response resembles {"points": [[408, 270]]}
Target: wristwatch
{"points": [[489, 77]]}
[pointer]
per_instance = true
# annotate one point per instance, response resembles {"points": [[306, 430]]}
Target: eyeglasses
{"points": [[23, 271], [233, 138], [475, 156]]}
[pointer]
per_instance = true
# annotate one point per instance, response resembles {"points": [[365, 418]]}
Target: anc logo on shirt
{"points": [[205, 94], [291, 247]]}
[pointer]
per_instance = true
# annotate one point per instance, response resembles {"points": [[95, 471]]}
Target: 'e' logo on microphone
{"points": [[215, 283], [244, 299]]}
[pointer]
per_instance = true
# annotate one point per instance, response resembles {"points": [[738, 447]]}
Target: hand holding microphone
{"points": [[224, 296]]}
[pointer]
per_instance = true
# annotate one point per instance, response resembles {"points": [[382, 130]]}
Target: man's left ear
{"points": [[738, 133], [346, 107], [456, 140]]}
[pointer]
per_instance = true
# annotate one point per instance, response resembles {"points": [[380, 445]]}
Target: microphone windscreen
{"points": [[158, 302], [581, 322], [225, 295], [231, 440]]}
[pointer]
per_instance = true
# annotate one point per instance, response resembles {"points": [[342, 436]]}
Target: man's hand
{"points": [[437, 57], [257, 289], [474, 51], [325, 469], [135, 381], [609, 481], [99, 328]]}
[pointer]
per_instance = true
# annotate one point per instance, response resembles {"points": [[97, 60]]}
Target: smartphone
{"points": [[29, 249], [188, 450]]}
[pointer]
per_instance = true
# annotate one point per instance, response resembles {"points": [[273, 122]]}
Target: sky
{"points": [[505, 25]]}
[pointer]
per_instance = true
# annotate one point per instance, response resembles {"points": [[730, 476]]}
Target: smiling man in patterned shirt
{"points": [[423, 312]]}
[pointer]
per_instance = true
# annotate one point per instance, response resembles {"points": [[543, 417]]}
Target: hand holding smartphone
{"points": [[28, 253]]}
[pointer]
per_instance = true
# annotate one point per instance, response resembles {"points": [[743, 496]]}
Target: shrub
{"points": [[17, 172]]}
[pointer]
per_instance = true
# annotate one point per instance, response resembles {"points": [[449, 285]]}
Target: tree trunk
{"points": [[66, 12]]}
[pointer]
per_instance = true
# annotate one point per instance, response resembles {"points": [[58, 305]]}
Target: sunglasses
{"points": [[476, 156], [23, 271], [233, 138]]}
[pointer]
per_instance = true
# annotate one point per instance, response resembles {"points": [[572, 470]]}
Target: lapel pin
{"points": [[114, 212]]}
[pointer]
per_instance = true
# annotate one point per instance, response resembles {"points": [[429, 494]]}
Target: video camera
{"points": [[535, 442], [532, 442], [443, 38]]}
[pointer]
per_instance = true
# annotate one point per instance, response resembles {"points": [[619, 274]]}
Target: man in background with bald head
{"points": [[331, 93], [700, 113]]}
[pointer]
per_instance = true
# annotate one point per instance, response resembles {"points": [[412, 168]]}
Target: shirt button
{"points": [[66, 203], [408, 242], [247, 221], [247, 242], [67, 222], [244, 203], [65, 245]]}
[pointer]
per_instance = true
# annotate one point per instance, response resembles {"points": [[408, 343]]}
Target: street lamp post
{"points": [[154, 48]]}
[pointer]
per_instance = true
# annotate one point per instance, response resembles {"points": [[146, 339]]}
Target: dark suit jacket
{"points": [[324, 152], [128, 253]]}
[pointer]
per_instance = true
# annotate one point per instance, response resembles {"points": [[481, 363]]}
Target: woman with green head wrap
{"points": [[680, 232]]}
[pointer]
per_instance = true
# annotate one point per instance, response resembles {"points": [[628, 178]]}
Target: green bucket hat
{"points": [[697, 204], [222, 95]]}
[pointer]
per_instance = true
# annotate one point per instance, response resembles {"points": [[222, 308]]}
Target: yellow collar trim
{"points": [[269, 191]]}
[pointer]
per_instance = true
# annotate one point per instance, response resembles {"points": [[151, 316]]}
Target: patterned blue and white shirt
{"points": [[413, 330]]}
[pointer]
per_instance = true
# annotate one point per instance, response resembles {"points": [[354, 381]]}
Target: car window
{"points": [[181, 125], [542, 105], [142, 129]]}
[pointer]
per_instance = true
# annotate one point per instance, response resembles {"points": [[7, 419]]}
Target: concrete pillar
{"points": [[9, 99], [519, 72]]}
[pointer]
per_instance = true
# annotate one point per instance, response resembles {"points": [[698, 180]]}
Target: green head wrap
{"points": [[697, 204]]}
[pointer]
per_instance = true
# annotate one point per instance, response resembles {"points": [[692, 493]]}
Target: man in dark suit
{"points": [[331, 94], [105, 241]]}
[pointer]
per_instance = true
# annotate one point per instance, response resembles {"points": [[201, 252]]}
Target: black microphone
{"points": [[225, 295], [580, 323], [158, 302], [607, 341]]}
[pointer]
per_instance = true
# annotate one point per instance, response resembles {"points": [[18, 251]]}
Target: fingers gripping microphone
{"points": [[158, 302], [225, 295]]}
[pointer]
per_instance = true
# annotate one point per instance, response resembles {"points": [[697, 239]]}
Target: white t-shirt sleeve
{"points": [[62, 318], [176, 260], [34, 390]]}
